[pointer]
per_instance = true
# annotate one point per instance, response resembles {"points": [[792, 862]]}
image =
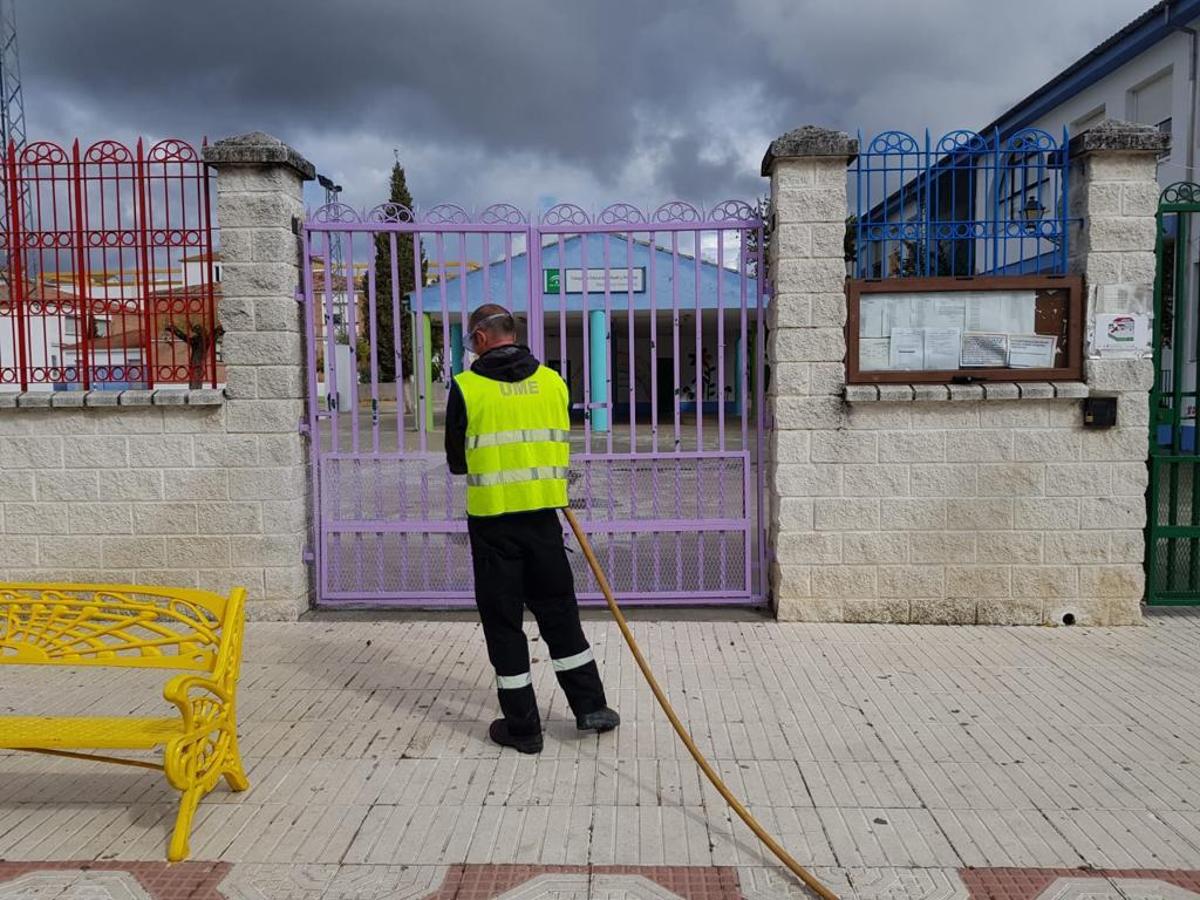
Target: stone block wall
{"points": [[187, 488], [180, 495], [954, 504]]}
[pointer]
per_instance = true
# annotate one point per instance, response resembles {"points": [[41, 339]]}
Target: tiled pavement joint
{"points": [[896, 761]]}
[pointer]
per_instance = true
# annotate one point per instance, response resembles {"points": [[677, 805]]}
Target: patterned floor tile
{"points": [[1082, 884], [387, 883], [486, 882], [775, 883], [907, 884], [688, 882], [513, 882], [589, 886], [1115, 889], [99, 881], [65, 885], [277, 882]]}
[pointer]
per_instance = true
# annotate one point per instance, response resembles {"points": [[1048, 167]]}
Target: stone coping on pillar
{"points": [[257, 149], [111, 399], [810, 141], [1115, 136], [999, 390]]}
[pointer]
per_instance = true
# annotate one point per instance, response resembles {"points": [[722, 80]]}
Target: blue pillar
{"points": [[598, 339], [456, 349], [739, 366]]}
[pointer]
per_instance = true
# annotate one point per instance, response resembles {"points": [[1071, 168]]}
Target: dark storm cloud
{"points": [[523, 99]]}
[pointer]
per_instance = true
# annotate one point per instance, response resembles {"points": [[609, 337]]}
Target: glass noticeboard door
{"points": [[963, 330]]}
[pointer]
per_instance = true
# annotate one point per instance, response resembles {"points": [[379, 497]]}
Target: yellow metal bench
{"points": [[135, 627]]}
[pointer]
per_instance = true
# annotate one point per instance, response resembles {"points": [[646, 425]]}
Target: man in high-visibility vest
{"points": [[508, 430]]}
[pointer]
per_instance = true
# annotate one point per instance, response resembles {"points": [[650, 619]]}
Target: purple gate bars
{"points": [[656, 323]]}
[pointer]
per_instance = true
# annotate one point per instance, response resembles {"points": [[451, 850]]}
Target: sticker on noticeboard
{"points": [[1122, 331]]}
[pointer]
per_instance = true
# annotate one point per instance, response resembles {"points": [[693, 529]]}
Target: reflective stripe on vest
{"points": [[517, 442], [524, 435], [513, 476]]}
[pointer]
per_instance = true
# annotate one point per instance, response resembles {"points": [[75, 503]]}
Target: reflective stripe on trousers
{"points": [[512, 682], [572, 662]]}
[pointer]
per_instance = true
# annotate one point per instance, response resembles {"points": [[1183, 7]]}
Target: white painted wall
{"points": [[1123, 95], [1145, 90]]}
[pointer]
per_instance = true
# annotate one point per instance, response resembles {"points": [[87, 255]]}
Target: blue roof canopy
{"points": [[666, 276]]}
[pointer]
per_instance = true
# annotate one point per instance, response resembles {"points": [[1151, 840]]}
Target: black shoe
{"points": [[601, 720], [525, 743]]}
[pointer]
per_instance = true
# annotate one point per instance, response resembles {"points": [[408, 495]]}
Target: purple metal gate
{"points": [[656, 323]]}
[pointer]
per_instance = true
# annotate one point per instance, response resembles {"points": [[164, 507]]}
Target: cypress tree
{"points": [[407, 278]]}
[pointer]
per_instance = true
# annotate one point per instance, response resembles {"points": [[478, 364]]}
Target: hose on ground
{"points": [[744, 814]]}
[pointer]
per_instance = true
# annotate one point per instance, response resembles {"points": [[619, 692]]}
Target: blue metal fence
{"points": [[966, 204]]}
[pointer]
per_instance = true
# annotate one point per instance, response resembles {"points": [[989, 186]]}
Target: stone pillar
{"points": [[961, 504], [1114, 192], [259, 203], [806, 347]]}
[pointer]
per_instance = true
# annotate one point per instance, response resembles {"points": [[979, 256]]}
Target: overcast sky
{"points": [[534, 101]]}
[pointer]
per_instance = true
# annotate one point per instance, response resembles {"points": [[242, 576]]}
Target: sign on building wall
{"points": [[618, 280], [1122, 332], [1121, 324]]}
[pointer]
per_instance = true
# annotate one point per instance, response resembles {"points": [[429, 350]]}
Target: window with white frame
{"points": [[1150, 103], [1088, 120]]}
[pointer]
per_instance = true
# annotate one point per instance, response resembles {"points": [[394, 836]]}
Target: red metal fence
{"points": [[109, 275]]}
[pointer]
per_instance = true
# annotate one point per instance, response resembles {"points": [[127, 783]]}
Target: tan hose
{"points": [[773, 845]]}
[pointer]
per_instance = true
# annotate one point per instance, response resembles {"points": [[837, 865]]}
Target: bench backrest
{"points": [[126, 625]]}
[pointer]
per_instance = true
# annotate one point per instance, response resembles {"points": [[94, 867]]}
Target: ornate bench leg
{"points": [[235, 775], [188, 803]]}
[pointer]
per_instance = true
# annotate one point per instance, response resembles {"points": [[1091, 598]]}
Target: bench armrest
{"points": [[200, 701], [199, 754]]}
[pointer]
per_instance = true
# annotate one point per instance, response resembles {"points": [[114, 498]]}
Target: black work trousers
{"points": [[520, 560]]}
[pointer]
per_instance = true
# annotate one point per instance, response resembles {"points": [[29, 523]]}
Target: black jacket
{"points": [[512, 362]]}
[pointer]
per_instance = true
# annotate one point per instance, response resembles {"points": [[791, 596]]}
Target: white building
{"points": [[1145, 73], [53, 334]]}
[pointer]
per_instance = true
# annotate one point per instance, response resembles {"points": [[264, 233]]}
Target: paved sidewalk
{"points": [[899, 761]]}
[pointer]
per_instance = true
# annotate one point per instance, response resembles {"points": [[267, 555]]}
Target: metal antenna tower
{"points": [[12, 103], [335, 262]]}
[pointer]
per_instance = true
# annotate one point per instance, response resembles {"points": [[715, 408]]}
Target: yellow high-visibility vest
{"points": [[518, 442]]}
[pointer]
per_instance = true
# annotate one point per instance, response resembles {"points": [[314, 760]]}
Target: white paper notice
{"points": [[990, 350], [1032, 351], [987, 313], [942, 346], [873, 354], [1021, 312], [871, 310], [899, 312], [908, 348], [994, 312], [943, 312]]}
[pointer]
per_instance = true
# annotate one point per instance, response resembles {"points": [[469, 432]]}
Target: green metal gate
{"points": [[1173, 497]]}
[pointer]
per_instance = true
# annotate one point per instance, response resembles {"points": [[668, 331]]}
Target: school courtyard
{"points": [[897, 761]]}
